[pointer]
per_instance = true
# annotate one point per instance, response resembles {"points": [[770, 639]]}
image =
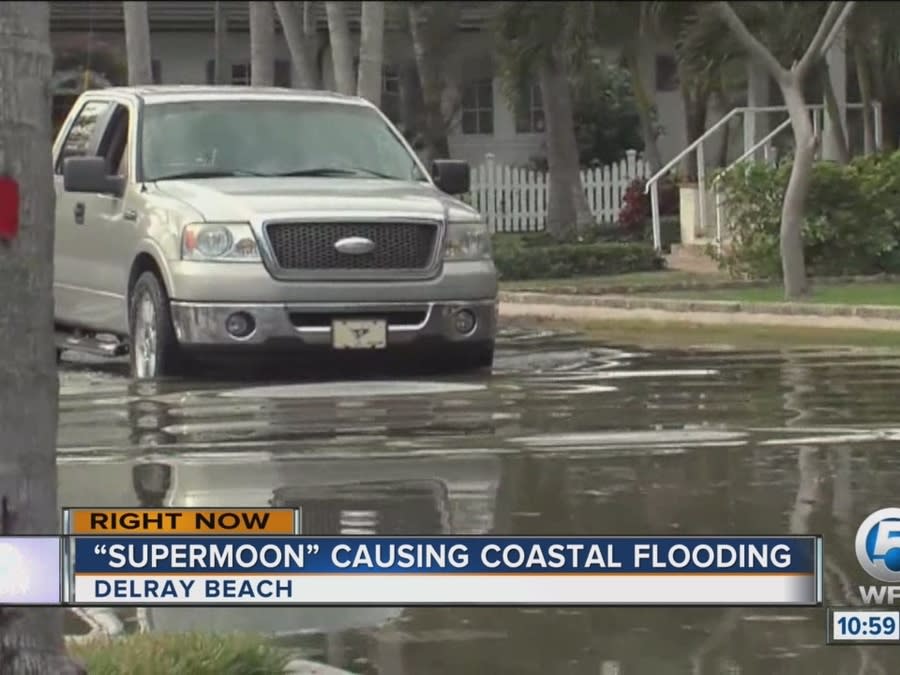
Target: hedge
{"points": [[851, 224], [537, 256]]}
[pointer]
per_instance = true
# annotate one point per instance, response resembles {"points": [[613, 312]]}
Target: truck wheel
{"points": [[154, 348]]}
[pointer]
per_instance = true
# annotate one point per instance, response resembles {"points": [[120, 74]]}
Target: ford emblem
{"points": [[355, 245]]}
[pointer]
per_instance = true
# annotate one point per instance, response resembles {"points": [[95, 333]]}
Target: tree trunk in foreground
{"points": [[568, 209], [371, 51], [341, 48], [31, 641], [300, 44], [137, 43], [262, 44]]}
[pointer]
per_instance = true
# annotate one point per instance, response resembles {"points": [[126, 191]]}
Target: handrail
{"points": [[652, 184], [768, 137]]}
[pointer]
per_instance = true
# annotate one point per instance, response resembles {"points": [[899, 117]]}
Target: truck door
{"points": [[72, 282]]}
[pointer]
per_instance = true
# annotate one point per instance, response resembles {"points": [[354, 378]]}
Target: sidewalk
{"points": [[665, 310]]}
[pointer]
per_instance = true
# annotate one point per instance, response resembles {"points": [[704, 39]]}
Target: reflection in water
{"points": [[564, 438]]}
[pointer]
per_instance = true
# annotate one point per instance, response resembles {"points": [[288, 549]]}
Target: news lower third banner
{"points": [[445, 570]]}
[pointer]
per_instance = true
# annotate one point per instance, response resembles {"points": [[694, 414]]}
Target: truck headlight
{"points": [[231, 242], [467, 241]]}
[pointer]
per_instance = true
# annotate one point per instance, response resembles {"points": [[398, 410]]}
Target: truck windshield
{"points": [[270, 138]]}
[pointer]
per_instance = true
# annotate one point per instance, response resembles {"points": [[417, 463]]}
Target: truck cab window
{"points": [[112, 145], [81, 134]]}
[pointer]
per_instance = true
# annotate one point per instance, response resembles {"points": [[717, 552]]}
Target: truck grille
{"points": [[310, 246]]}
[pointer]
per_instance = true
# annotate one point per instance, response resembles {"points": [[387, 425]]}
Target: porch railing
{"points": [[697, 147]]}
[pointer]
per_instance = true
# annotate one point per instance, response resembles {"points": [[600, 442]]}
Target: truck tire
{"points": [[154, 348]]}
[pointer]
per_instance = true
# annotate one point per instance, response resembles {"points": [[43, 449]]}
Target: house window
{"points": [[282, 73], [390, 93], [478, 107], [666, 73], [240, 73], [156, 70], [530, 112]]}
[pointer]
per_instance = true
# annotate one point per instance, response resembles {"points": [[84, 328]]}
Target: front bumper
{"points": [[308, 324]]}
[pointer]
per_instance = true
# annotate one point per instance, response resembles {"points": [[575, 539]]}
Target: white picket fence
{"points": [[515, 199]]}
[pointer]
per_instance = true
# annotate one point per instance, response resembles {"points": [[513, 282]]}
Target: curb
{"points": [[601, 308], [677, 306]]}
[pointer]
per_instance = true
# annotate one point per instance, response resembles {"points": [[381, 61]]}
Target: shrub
{"points": [[180, 654], [851, 223], [519, 258], [635, 216]]}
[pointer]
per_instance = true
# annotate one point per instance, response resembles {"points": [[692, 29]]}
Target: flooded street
{"points": [[564, 438]]}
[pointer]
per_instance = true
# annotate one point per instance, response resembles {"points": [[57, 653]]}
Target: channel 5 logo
{"points": [[878, 553]]}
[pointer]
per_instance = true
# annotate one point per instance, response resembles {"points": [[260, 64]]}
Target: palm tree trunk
{"points": [[31, 638], [262, 44], [220, 37], [645, 110], [834, 112], [299, 43], [568, 208], [341, 48], [430, 79], [863, 76], [137, 43], [371, 51]]}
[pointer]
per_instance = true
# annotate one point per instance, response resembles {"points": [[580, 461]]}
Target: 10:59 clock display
{"points": [[860, 625]]}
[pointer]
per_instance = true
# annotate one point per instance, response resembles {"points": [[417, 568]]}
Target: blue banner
{"points": [[445, 555]]}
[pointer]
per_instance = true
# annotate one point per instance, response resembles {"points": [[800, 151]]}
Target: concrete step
{"points": [[691, 258]]}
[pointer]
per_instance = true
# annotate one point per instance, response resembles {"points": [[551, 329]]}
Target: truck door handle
{"points": [[130, 214], [79, 213]]}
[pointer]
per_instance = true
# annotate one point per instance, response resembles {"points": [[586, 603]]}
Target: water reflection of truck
{"points": [[337, 496]]}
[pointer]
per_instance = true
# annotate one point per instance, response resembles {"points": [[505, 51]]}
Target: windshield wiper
{"points": [[207, 173], [333, 171]]}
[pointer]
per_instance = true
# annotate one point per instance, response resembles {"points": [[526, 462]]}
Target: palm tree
{"points": [[137, 43], [371, 51], [220, 37], [31, 638], [341, 48], [543, 37], [262, 44], [432, 28], [300, 34]]}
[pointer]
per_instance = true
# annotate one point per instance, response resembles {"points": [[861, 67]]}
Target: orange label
{"points": [[181, 521]]}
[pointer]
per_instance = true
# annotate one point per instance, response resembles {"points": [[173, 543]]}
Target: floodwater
{"points": [[564, 438]]}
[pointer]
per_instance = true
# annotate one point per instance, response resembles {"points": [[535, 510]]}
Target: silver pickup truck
{"points": [[196, 220]]}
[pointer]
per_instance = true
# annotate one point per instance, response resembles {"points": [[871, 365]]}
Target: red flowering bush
{"points": [[635, 212]]}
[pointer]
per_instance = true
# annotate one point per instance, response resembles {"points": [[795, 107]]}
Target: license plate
{"points": [[359, 334]]}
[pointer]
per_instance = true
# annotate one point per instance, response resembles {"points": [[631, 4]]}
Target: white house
{"points": [[182, 48]]}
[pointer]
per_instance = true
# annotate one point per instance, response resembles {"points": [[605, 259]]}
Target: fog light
{"points": [[239, 324], [464, 321]]}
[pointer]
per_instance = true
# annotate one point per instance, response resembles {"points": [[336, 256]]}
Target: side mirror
{"points": [[88, 174], [451, 176]]}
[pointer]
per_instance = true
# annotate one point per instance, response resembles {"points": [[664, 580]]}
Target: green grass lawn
{"points": [[862, 293], [594, 285]]}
